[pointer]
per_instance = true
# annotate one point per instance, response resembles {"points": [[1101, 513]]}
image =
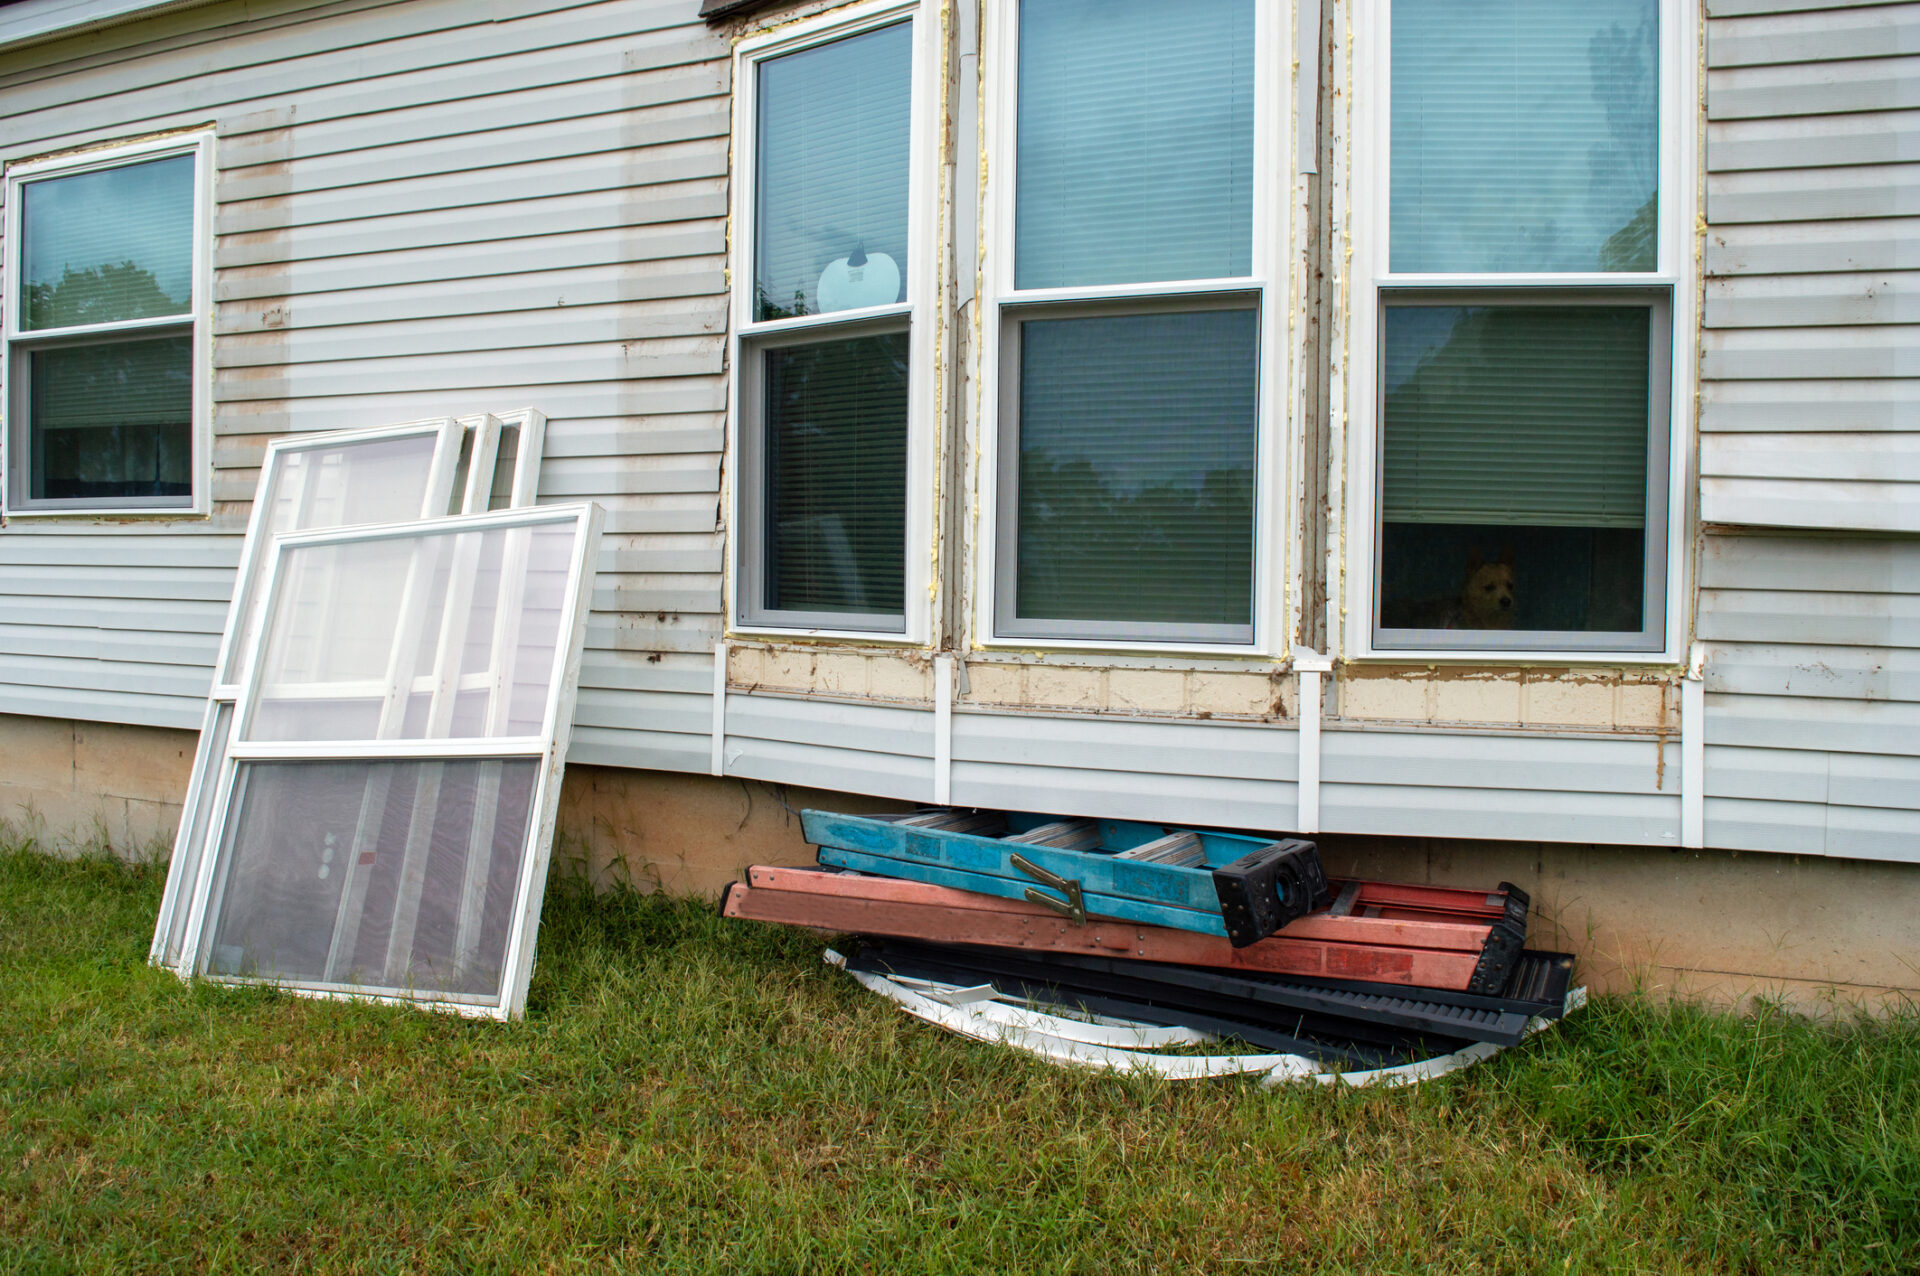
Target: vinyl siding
{"points": [[1810, 363], [1813, 695], [419, 211]]}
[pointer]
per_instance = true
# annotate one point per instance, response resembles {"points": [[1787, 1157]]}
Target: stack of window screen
{"points": [[387, 789], [1130, 335], [1524, 329], [826, 335], [101, 336], [310, 482]]}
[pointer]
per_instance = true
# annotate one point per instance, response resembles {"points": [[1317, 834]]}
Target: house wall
{"points": [[422, 209], [432, 207], [1816, 932]]}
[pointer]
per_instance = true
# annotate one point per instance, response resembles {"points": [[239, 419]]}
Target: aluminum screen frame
{"points": [[189, 842], [470, 469], [547, 750]]}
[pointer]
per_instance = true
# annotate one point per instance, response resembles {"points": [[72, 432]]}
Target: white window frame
{"points": [[547, 750], [1274, 250], [14, 425], [1677, 272], [919, 279]]}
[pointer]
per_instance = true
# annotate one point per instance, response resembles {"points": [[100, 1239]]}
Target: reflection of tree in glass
{"points": [[1166, 552], [1627, 163], [836, 475], [99, 294]]}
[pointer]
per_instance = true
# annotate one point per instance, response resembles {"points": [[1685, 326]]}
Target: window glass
{"points": [[830, 214], [1135, 142], [110, 419], [835, 475], [1136, 468], [109, 245], [1525, 135], [440, 636], [1514, 471], [366, 481]]}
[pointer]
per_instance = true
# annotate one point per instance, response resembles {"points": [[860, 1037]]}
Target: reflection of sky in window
{"points": [[141, 213], [1525, 132], [1142, 400], [1414, 335]]}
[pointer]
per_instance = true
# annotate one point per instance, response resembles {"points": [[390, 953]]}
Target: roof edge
{"points": [[30, 22]]}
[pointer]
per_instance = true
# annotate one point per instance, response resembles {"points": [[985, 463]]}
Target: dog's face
{"points": [[1487, 598]]}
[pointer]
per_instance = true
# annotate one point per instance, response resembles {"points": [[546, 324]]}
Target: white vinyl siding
{"points": [[1810, 372], [419, 211]]}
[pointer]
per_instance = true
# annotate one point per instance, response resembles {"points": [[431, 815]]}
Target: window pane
{"points": [[1514, 469], [108, 245], [111, 420], [1136, 468], [347, 485], [836, 476], [433, 636], [1525, 135], [399, 876], [1135, 141], [831, 185]]}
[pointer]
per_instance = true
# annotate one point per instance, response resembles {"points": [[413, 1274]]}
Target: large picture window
{"points": [[1130, 315], [102, 350], [1524, 356], [826, 381]]}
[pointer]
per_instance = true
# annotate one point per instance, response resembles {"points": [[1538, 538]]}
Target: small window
{"points": [[825, 363], [102, 348], [1525, 356], [1129, 362]]}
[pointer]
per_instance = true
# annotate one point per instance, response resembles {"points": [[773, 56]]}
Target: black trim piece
{"points": [[1505, 942], [1127, 980], [1263, 890]]}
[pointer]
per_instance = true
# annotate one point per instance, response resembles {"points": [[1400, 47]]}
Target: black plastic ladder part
{"points": [[1122, 981]]}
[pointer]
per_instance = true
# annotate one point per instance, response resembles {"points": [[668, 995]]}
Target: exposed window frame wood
{"points": [[1356, 419], [197, 321], [915, 314], [1273, 266]]}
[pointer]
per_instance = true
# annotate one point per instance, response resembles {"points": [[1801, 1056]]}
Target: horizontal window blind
{"points": [[1136, 454], [107, 246], [836, 464], [1516, 415], [110, 419], [831, 180], [1135, 146], [1525, 135]]}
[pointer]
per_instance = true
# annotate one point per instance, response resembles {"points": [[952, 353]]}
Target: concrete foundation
{"points": [[1713, 925]]}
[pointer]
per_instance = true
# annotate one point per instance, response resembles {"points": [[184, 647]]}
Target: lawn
{"points": [[688, 1094]]}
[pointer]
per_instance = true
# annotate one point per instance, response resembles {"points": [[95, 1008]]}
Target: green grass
{"points": [[687, 1094]]}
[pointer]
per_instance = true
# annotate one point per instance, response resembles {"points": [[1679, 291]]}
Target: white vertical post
{"points": [[718, 765], [1693, 750], [942, 730], [1311, 666]]}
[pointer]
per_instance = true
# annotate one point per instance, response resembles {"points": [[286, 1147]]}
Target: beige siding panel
{"points": [[1822, 36], [1814, 194], [1891, 405], [1809, 301], [1820, 141], [1815, 88], [1794, 248]]}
